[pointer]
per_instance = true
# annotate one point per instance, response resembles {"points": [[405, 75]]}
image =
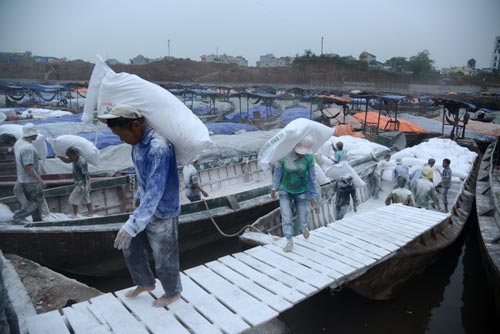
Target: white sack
{"points": [[320, 175], [87, 149], [5, 214], [284, 141], [162, 110], [343, 169]]}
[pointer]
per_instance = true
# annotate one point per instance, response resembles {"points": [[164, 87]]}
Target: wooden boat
{"points": [[268, 228], [85, 245], [382, 281], [488, 214]]}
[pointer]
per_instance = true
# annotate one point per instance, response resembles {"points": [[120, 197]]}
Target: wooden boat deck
{"points": [[242, 290]]}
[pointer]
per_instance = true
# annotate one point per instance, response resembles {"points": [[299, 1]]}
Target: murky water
{"points": [[451, 296]]}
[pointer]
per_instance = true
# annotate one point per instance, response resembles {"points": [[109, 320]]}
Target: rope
{"points": [[15, 98], [43, 98], [220, 230]]}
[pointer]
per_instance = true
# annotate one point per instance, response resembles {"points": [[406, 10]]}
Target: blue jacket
{"points": [[158, 181]]}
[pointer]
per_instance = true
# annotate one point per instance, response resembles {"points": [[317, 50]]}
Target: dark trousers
{"points": [[161, 236], [34, 200]]}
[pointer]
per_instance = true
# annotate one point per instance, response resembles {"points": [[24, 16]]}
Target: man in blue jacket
{"points": [[155, 219]]}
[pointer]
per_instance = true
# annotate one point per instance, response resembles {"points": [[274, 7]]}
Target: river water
{"points": [[450, 296]]}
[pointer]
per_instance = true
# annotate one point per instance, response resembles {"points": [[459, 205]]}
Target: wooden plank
{"points": [[365, 237], [334, 250], [188, 315], [327, 265], [322, 238], [116, 315], [408, 211], [278, 260], [376, 249], [414, 218], [51, 322], [372, 228], [409, 227], [286, 292], [272, 300], [157, 320], [392, 231], [83, 322], [211, 308], [249, 308], [298, 255], [273, 272]]}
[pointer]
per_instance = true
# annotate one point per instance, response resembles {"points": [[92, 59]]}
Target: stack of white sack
{"points": [[281, 144], [16, 130], [162, 110], [354, 148], [40, 113], [462, 159], [86, 149]]}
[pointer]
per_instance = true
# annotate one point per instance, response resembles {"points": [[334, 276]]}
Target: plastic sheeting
{"points": [[227, 128], [373, 117], [294, 113], [248, 113], [435, 125]]}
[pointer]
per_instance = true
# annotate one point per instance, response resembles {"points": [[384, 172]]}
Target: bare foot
{"points": [[164, 301], [139, 289]]}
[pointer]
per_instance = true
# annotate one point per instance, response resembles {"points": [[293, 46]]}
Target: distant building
{"points": [[140, 60], [52, 60], [465, 70], [350, 57], [269, 60], [113, 61], [224, 59], [367, 57], [495, 63]]}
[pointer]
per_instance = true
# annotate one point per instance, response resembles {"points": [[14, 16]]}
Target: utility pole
{"points": [[169, 48], [321, 45]]}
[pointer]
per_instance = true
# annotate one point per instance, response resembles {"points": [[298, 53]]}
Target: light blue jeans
{"points": [[161, 235], [286, 200]]}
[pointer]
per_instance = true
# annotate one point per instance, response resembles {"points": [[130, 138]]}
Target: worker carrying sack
{"points": [[163, 111], [282, 143], [86, 149]]}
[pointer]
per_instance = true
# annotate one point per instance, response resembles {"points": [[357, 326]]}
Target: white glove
{"points": [[122, 240]]}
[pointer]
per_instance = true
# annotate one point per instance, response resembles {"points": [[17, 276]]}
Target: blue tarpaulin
{"points": [[263, 110], [294, 113], [227, 128]]}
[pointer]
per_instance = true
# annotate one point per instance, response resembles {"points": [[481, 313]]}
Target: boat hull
{"points": [[384, 280], [488, 214]]}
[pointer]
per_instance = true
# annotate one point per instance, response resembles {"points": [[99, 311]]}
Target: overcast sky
{"points": [[453, 31]]}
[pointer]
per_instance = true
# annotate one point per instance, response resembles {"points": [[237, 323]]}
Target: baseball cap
{"points": [[123, 111], [29, 129]]}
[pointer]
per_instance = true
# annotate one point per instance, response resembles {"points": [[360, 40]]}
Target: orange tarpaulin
{"points": [[346, 129], [372, 119]]}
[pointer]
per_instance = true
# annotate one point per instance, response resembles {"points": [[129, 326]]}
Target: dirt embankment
{"points": [[197, 72], [47, 289]]}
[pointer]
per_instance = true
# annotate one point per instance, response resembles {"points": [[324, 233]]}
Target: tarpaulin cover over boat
{"points": [[372, 120]]}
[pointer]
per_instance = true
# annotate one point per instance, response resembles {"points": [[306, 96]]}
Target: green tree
{"points": [[471, 63], [422, 66], [397, 64]]}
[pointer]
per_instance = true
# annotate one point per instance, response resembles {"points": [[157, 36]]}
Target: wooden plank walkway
{"points": [[242, 290]]}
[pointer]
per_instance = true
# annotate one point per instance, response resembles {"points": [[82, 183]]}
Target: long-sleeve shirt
{"points": [[345, 191], [158, 190], [424, 192], [400, 170], [400, 195], [295, 175]]}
